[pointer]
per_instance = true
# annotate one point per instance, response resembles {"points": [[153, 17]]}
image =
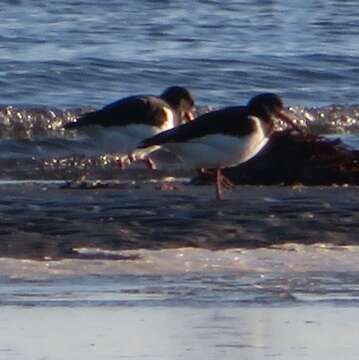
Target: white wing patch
{"points": [[170, 121]]}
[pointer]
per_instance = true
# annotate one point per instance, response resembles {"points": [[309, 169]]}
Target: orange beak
{"points": [[283, 116]]}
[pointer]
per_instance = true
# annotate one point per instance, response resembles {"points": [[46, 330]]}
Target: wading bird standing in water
{"points": [[223, 138], [121, 125]]}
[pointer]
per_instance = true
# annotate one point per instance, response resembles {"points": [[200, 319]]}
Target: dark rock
{"points": [[290, 158]]}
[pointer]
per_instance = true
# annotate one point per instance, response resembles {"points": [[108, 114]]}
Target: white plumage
{"points": [[220, 150], [123, 140]]}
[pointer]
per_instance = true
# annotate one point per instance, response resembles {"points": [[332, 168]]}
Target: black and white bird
{"points": [[223, 138], [121, 125]]}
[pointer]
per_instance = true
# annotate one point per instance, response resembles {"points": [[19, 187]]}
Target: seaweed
{"points": [[290, 158]]}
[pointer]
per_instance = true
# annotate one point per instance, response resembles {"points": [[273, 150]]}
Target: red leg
{"points": [[131, 158], [149, 163], [219, 193], [121, 164], [212, 173], [126, 160]]}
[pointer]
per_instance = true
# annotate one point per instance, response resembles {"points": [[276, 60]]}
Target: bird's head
{"points": [[268, 107], [181, 101]]}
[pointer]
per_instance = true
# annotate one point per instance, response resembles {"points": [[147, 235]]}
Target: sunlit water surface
{"points": [[289, 302]]}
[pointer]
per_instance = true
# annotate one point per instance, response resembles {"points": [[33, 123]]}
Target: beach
{"points": [[143, 270], [45, 220]]}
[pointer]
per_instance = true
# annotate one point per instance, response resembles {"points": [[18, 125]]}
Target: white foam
{"points": [[286, 258]]}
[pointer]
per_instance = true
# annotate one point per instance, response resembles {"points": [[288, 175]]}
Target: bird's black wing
{"points": [[134, 109], [229, 121]]}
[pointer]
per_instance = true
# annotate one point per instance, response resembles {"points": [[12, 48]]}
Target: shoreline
{"points": [[45, 220]]}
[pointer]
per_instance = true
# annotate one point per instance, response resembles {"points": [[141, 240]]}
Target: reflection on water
{"points": [[192, 333], [292, 302]]}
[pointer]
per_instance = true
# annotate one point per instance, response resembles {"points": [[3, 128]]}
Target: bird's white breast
{"points": [[220, 150], [171, 120]]}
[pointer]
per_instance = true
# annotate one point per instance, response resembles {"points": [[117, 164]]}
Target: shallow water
{"points": [[279, 303], [291, 275], [176, 333]]}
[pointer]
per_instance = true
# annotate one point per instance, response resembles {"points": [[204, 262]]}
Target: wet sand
{"points": [[249, 304], [45, 220], [321, 333]]}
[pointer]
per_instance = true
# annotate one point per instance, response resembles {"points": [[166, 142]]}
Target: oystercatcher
{"points": [[121, 125], [225, 137]]}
